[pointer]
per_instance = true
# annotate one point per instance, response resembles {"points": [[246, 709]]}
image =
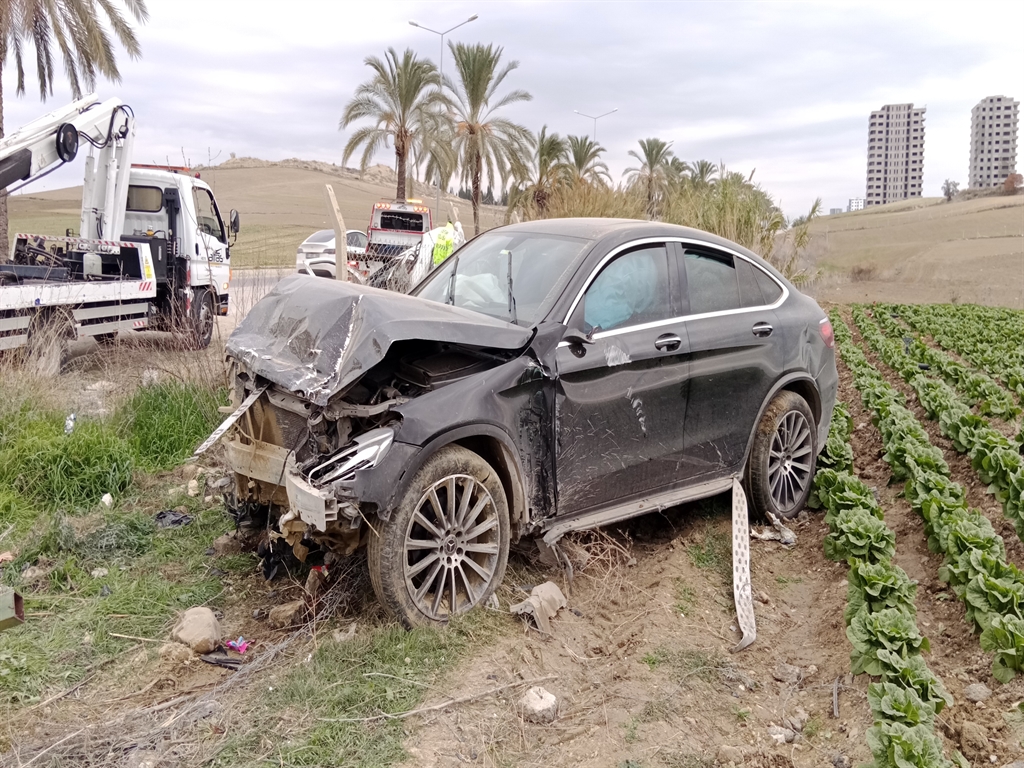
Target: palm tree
{"points": [[484, 141], [654, 173], [702, 173], [80, 32], [404, 100], [584, 162], [548, 168]]}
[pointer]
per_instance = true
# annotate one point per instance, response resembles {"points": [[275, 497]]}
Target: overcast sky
{"points": [[785, 88]]}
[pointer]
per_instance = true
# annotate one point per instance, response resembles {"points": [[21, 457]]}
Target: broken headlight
{"points": [[364, 452]]}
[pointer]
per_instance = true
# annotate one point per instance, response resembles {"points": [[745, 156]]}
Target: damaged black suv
{"points": [[548, 377]]}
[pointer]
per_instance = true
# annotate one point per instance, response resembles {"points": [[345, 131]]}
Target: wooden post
{"points": [[340, 244]]}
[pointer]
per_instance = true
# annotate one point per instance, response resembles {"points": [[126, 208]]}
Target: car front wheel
{"points": [[445, 548], [781, 466]]}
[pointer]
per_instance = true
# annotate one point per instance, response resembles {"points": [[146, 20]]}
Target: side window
{"points": [[630, 290], [207, 217], [144, 199], [769, 288], [355, 240], [711, 281], [750, 293]]}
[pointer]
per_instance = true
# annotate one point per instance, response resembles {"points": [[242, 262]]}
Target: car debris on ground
{"points": [[544, 602]]}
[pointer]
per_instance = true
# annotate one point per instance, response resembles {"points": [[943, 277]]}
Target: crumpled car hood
{"points": [[315, 336]]}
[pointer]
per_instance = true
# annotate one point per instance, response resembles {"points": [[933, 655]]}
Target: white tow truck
{"points": [[152, 250]]}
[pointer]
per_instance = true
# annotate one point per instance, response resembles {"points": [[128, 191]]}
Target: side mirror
{"points": [[233, 222], [576, 336]]}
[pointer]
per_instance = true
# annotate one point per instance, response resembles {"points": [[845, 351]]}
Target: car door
{"points": [[620, 398], [736, 356]]}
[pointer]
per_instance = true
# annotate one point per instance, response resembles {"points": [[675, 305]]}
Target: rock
{"points": [[762, 597], [199, 630], [841, 761], [228, 544], [107, 500], [193, 488], [175, 653], [798, 720], [977, 692], [811, 670], [787, 673], [98, 573], [287, 615], [728, 755], [539, 705], [33, 573], [973, 739], [781, 735], [315, 583]]}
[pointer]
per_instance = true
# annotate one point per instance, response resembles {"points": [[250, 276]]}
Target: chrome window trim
{"points": [[682, 318]]}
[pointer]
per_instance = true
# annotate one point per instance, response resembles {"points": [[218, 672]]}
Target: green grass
{"points": [[685, 663], [51, 484], [686, 597], [164, 423], [388, 670], [712, 552]]}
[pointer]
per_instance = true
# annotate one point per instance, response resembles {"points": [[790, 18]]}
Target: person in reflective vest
{"points": [[445, 243]]}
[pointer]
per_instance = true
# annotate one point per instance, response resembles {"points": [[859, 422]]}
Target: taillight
{"points": [[827, 335]]}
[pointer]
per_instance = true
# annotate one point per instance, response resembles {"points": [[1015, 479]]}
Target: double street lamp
{"points": [[595, 119], [474, 17]]}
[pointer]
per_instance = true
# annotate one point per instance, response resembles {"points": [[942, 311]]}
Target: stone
{"points": [[539, 705], [287, 615], [98, 573], [107, 500], [841, 761], [977, 692], [189, 471], [175, 653], [33, 573], [762, 597], [787, 673], [727, 755], [198, 629], [193, 488], [973, 739], [228, 544], [781, 735], [798, 720]]}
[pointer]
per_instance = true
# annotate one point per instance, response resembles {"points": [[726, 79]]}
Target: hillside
{"points": [[924, 251], [280, 204]]}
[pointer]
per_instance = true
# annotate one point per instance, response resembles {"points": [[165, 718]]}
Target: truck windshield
{"points": [[400, 221], [476, 276]]}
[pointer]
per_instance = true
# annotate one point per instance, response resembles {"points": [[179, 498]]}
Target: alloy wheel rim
{"points": [[790, 461], [452, 546]]}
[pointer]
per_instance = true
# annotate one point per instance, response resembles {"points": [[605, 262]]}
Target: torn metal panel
{"points": [[315, 337]]}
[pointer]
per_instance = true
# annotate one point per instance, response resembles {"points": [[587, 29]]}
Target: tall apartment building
{"points": [[855, 204], [993, 141], [895, 154]]}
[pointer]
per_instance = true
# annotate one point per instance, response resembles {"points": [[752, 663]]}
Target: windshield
{"points": [[480, 268]]}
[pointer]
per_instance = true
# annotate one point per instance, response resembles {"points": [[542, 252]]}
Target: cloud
{"points": [[783, 87]]}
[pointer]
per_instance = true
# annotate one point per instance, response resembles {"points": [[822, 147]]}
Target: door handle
{"points": [[668, 342], [762, 330]]}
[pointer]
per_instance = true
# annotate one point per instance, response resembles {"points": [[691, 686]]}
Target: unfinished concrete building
{"points": [[895, 154], [993, 141]]}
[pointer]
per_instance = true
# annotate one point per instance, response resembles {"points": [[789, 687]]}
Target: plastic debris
{"points": [[778, 532], [69, 424], [171, 518], [221, 659], [241, 645], [741, 588], [543, 603]]}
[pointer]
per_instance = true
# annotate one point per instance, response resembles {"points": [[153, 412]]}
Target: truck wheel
{"points": [[781, 466], [445, 548], [46, 350], [201, 319]]}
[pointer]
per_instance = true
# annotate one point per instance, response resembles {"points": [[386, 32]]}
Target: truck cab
{"points": [[395, 227]]}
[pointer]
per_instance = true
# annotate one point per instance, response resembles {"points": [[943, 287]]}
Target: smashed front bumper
{"points": [[318, 492]]}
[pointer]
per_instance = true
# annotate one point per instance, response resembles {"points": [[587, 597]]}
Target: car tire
{"points": [[448, 534], [781, 467], [201, 319]]}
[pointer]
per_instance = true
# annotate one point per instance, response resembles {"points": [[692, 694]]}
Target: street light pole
{"points": [[440, 71], [595, 119]]}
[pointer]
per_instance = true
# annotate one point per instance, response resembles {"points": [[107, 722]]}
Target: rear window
{"points": [[145, 199], [323, 236], [401, 221]]}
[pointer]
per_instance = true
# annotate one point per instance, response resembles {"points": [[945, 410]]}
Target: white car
{"points": [[317, 254]]}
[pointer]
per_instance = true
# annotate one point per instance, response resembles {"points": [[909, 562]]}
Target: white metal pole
{"points": [[440, 87]]}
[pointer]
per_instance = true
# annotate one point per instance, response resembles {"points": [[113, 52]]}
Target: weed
{"points": [[163, 423], [712, 552], [655, 658], [687, 663], [654, 711], [686, 760], [741, 714], [785, 581], [631, 736], [631, 764], [686, 597], [812, 727]]}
